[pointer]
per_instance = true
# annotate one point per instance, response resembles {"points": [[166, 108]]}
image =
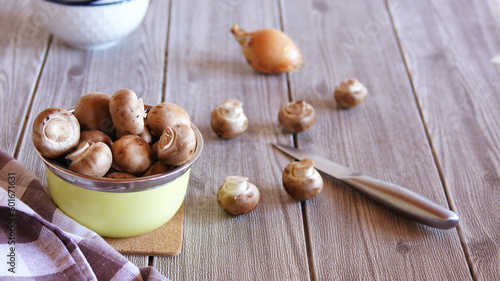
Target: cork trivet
{"points": [[164, 241]]}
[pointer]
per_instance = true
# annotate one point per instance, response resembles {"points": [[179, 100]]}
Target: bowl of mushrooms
{"points": [[115, 165]]}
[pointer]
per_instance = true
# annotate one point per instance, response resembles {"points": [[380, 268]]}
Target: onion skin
{"points": [[269, 50]]}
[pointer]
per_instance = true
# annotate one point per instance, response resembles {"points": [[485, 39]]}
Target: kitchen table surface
{"points": [[431, 123]]}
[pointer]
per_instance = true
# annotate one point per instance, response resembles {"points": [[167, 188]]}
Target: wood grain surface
{"points": [[204, 68], [431, 123], [457, 88], [23, 44], [383, 138]]}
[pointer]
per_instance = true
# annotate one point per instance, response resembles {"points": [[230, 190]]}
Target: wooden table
{"points": [[431, 123]]}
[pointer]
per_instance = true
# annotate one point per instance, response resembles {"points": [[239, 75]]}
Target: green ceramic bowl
{"points": [[120, 208]]}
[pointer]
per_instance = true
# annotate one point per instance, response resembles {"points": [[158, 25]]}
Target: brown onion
{"points": [[269, 50]]}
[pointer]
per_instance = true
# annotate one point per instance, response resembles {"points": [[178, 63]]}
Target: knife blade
{"points": [[392, 196]]}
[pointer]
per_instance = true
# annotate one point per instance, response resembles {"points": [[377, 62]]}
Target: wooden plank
{"points": [[23, 44], [205, 67], [139, 261], [383, 138], [448, 48], [136, 63]]}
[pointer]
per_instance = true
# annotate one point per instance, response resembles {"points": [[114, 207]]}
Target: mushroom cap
{"points": [[176, 145], [120, 175], [131, 154], [92, 111], [56, 132], [237, 196], [145, 134], [95, 136], [228, 119], [91, 159], [301, 181], [350, 93], [166, 114], [154, 152], [297, 116], [127, 112], [157, 168]]}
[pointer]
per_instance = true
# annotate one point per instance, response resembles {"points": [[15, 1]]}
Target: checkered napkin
{"points": [[39, 242]]}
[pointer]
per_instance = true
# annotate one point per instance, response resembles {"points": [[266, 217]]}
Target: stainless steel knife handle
{"points": [[403, 201]]}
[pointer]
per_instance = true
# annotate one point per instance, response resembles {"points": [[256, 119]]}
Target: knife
{"points": [[395, 197]]}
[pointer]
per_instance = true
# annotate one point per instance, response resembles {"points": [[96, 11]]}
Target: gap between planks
{"points": [[431, 144], [303, 204], [165, 67], [24, 126]]}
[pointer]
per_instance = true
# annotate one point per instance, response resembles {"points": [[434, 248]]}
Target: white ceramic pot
{"points": [[91, 27]]}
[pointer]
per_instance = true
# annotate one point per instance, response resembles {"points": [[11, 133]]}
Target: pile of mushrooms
{"points": [[115, 137]]}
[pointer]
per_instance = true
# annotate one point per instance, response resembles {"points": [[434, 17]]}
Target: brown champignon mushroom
{"points": [[91, 159], [228, 119], [157, 168], [145, 134], [350, 93], [297, 117], [92, 111], [237, 196], [95, 136], [120, 175], [56, 132], [154, 152], [301, 181], [127, 112], [131, 154], [166, 114], [176, 145]]}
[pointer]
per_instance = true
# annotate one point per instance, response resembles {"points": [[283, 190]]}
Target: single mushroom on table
{"points": [[297, 116], [56, 132], [127, 112], [91, 158], [166, 114], [350, 93], [176, 145], [92, 111], [301, 181], [228, 119], [131, 154], [237, 196]]}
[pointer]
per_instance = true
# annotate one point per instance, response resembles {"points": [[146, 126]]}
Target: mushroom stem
{"points": [[57, 129], [303, 168], [354, 85], [296, 108], [231, 108], [236, 183], [167, 139], [79, 151]]}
